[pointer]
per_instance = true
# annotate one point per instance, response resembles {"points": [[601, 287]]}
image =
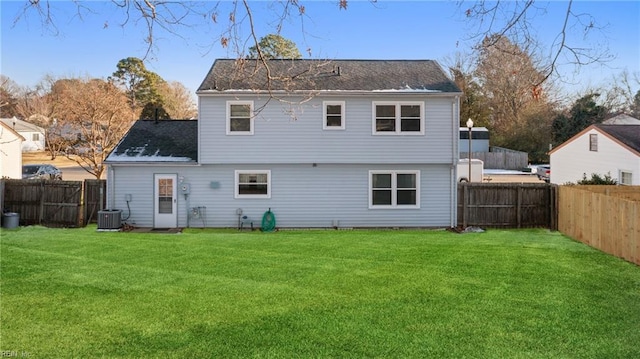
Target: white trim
{"points": [[342, 115], [398, 122], [620, 173], [394, 189], [251, 118], [236, 190]]}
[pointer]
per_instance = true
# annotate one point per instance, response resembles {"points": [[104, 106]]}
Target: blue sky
{"points": [[386, 30]]}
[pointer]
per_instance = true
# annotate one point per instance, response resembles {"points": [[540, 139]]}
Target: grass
{"points": [[300, 294]]}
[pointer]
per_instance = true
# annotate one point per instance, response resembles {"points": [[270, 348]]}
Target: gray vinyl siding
{"points": [[294, 134], [302, 196]]}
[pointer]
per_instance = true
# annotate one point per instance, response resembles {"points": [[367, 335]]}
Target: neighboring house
{"points": [[10, 152], [342, 143], [34, 136], [599, 149], [479, 139]]}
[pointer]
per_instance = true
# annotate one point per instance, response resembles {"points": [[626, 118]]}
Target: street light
{"points": [[469, 126]]}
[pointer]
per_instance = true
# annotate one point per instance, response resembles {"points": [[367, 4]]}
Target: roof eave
{"points": [[236, 92]]}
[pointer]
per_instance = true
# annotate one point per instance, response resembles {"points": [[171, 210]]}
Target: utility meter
{"points": [[185, 188]]}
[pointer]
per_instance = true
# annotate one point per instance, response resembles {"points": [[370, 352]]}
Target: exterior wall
{"points": [[569, 163], [32, 146], [294, 134], [479, 140], [302, 195], [10, 154]]}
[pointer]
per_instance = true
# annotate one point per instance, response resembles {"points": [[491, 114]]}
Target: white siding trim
{"points": [[237, 184], [398, 131], [394, 189], [343, 113], [228, 118]]}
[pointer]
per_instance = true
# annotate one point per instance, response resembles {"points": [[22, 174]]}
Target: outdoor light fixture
{"points": [[469, 126]]}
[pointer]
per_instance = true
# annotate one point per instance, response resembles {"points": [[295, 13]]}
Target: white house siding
{"points": [[301, 195], [10, 153], [569, 163], [29, 145], [294, 134]]}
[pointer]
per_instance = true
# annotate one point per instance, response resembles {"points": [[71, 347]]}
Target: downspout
{"points": [[111, 187], [455, 125]]}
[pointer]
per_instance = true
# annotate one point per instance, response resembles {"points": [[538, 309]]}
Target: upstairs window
{"points": [[239, 118], [398, 118], [333, 115], [35, 137], [593, 142]]}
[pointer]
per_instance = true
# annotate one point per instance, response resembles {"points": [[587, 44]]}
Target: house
{"points": [[621, 119], [34, 136], [340, 143], [599, 149], [479, 139], [10, 152]]}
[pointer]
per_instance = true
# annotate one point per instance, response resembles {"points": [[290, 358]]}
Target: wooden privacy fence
{"points": [[500, 158], [603, 217], [507, 205], [53, 203], [94, 199]]}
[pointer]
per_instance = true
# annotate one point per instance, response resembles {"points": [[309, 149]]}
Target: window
{"points": [[35, 137], [394, 189], [333, 114], [239, 118], [398, 118], [253, 184], [626, 178], [165, 195], [593, 142]]}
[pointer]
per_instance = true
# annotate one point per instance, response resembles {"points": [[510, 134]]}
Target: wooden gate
{"points": [[94, 199]]}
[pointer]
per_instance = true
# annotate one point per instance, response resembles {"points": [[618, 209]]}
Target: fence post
{"points": [[465, 200], [519, 207]]}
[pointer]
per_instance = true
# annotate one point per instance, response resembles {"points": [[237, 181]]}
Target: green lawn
{"points": [[344, 294]]}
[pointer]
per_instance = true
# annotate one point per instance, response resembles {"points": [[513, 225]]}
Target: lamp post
{"points": [[469, 126]]}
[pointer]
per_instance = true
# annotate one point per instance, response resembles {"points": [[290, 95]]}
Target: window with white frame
{"points": [[394, 189], [593, 142], [239, 118], [626, 178], [333, 115], [35, 137], [253, 184], [398, 118]]}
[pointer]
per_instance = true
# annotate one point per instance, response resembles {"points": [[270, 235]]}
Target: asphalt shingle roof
{"points": [[336, 75], [627, 134], [158, 141]]}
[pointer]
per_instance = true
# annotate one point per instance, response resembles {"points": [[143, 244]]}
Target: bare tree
{"points": [[509, 80], [622, 93], [96, 112], [493, 20], [177, 100], [9, 93]]}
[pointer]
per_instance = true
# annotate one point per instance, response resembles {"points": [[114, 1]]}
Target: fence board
{"points": [[94, 199], [45, 202], [507, 205], [603, 217]]}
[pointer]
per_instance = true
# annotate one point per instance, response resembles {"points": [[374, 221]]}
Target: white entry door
{"points": [[165, 202]]}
